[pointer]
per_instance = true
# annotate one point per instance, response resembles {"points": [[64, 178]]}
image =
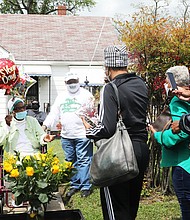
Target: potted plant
{"points": [[34, 179]]}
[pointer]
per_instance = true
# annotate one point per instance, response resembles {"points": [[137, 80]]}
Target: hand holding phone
{"points": [[87, 119], [172, 80]]}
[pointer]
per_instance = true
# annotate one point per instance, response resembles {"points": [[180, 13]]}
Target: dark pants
{"points": [[181, 183], [121, 201]]}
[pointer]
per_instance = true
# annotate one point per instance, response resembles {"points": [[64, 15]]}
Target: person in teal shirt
{"points": [[175, 146], [184, 122]]}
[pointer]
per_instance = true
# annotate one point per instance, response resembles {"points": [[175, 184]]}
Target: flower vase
{"points": [[35, 213]]}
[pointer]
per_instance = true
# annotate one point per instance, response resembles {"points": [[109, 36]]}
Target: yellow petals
{"points": [[12, 160], [37, 156], [68, 165], [33, 214], [43, 156], [29, 171], [14, 173], [55, 169], [55, 161], [7, 166], [27, 157]]}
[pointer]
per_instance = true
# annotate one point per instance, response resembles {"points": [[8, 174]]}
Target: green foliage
{"points": [[159, 210], [35, 178], [90, 206], [146, 191], [155, 44], [43, 6]]}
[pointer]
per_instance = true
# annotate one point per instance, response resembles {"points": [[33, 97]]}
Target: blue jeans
{"points": [[79, 151], [181, 183]]}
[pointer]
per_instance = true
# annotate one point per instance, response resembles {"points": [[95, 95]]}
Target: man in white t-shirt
{"points": [[67, 110]]}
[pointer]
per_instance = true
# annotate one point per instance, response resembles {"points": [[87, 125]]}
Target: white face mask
{"points": [[166, 88], [108, 76], [73, 88]]}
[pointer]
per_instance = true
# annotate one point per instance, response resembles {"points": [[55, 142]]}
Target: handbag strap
{"points": [[117, 96]]}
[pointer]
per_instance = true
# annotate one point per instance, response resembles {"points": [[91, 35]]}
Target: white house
{"points": [[48, 46]]}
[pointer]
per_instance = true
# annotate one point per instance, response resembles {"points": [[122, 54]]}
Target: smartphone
{"points": [[172, 80], [88, 119]]}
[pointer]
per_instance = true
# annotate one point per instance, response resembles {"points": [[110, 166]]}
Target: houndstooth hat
{"points": [[115, 56]]}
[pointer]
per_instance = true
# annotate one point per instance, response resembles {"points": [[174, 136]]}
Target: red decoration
{"points": [[9, 73], [20, 89]]}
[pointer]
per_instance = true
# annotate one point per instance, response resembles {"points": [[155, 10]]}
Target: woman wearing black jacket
{"points": [[121, 201]]}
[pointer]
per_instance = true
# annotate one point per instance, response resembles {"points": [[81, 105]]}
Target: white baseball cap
{"points": [[70, 76]]}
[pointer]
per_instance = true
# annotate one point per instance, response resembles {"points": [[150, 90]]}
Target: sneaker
{"points": [[71, 192], [85, 193]]}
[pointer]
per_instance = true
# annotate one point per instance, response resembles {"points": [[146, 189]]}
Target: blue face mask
{"points": [[21, 115]]}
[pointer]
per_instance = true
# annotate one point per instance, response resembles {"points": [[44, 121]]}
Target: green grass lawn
{"points": [[154, 207]]}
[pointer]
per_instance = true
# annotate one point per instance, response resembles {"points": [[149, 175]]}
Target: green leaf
{"points": [[42, 184], [43, 198], [17, 193], [20, 199], [12, 184]]}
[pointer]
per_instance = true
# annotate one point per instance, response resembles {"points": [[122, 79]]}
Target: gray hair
{"points": [[181, 75]]}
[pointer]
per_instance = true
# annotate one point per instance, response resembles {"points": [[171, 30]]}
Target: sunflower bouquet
{"points": [[34, 179]]}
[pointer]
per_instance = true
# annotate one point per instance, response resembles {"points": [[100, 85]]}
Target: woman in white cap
{"points": [[20, 132]]}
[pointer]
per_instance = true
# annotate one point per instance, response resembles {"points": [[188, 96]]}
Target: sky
{"points": [[112, 8]]}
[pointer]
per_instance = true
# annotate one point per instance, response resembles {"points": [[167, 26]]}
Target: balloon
{"points": [[21, 88], [9, 74]]}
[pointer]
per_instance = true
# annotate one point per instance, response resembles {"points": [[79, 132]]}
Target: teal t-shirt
{"points": [[175, 147]]}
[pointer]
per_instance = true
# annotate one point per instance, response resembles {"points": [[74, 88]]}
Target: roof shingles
{"points": [[56, 38]]}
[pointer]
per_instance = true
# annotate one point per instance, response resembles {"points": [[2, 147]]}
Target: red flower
{"points": [[158, 84]]}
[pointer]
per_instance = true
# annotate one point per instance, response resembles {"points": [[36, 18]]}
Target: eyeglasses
{"points": [[19, 108]]}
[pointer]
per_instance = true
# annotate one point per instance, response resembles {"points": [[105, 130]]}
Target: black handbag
{"points": [[163, 121], [114, 161]]}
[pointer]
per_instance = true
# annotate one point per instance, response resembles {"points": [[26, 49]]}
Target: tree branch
{"points": [[23, 3], [16, 5]]}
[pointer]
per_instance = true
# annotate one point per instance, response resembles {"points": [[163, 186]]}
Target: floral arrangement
{"points": [[33, 179]]}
